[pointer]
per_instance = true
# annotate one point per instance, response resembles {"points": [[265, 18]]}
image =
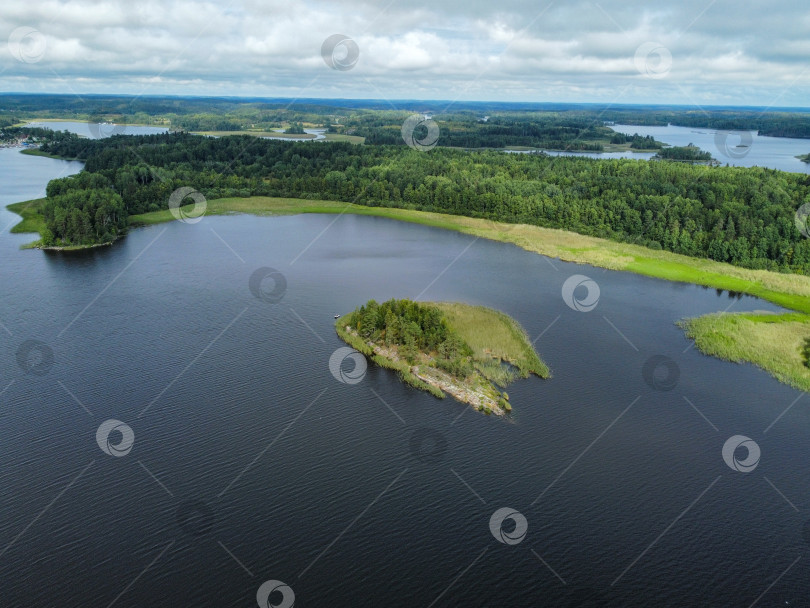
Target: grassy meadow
{"points": [[773, 342], [493, 335]]}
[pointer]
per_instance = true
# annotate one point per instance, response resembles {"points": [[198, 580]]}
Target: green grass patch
{"points": [[773, 342], [32, 220], [38, 152], [352, 139], [494, 337]]}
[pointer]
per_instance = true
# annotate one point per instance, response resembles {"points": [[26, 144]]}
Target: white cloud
{"points": [[523, 50]]}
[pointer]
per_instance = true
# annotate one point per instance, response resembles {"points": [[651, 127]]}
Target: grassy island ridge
{"points": [[461, 349]]}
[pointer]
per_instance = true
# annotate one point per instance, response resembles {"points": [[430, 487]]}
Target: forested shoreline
{"points": [[230, 114], [744, 216]]}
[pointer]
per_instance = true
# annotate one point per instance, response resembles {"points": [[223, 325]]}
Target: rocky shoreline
{"points": [[476, 391]]}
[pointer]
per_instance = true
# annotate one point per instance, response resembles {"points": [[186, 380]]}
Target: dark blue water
{"points": [[251, 462]]}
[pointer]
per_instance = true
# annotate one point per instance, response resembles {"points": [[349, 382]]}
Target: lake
{"points": [[736, 148], [249, 461], [100, 130], [94, 130], [772, 152]]}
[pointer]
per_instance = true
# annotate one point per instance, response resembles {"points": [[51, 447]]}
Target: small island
{"points": [[684, 154], [470, 352]]}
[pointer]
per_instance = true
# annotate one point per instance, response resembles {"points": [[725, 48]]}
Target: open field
{"points": [[352, 139]]}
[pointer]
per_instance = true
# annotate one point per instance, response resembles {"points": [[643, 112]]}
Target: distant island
{"points": [[805, 158], [467, 351], [688, 154]]}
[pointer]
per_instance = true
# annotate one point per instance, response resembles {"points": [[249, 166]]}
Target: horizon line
{"points": [[412, 101]]}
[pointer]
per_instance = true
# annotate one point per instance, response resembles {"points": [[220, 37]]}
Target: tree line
{"points": [[744, 216], [413, 328]]}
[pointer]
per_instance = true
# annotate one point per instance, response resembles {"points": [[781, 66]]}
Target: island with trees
{"points": [[295, 128], [684, 154], [470, 352]]}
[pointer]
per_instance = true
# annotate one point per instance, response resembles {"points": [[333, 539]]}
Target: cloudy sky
{"points": [[704, 52]]}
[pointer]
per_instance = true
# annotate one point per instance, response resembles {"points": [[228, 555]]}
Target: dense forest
{"points": [[689, 154], [464, 130], [637, 142], [413, 328], [744, 216], [34, 134], [244, 114], [85, 207]]}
